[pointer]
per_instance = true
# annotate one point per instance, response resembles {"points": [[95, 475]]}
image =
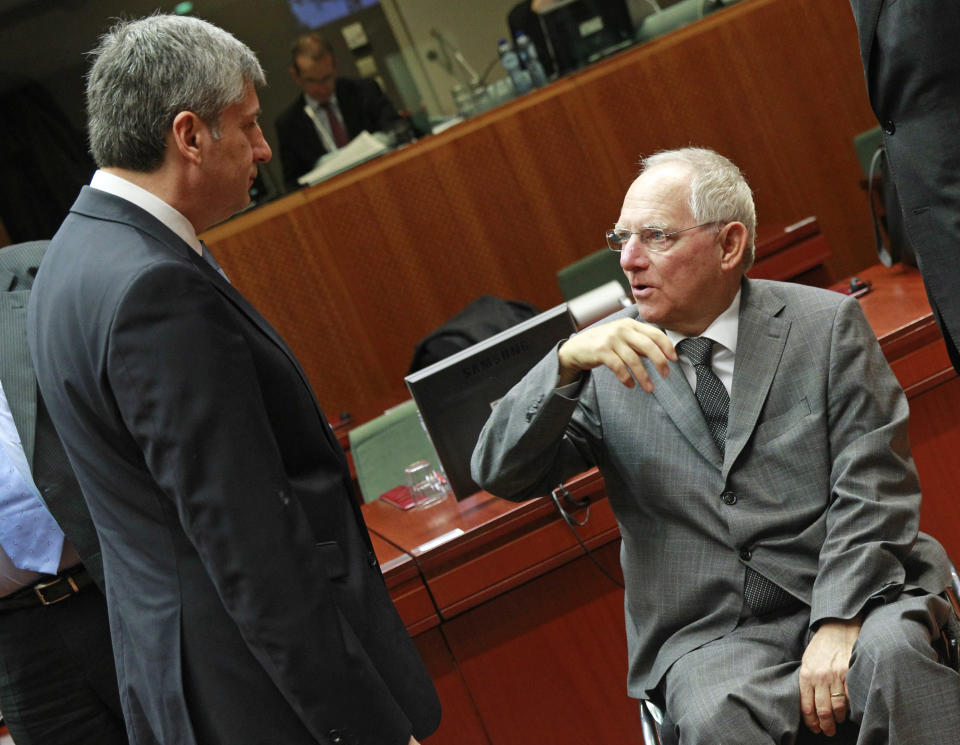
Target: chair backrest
{"points": [[383, 447], [865, 144], [591, 272]]}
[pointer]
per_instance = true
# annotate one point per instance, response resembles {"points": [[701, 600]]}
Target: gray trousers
{"points": [[743, 689]]}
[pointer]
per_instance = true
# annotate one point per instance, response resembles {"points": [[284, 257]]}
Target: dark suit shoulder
{"points": [[293, 112]]}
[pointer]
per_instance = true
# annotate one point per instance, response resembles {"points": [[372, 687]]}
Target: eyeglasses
{"points": [[652, 239]]}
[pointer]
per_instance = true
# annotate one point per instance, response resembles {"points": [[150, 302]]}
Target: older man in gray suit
{"points": [[754, 445]]}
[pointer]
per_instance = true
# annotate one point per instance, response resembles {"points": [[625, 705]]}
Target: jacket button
{"points": [[746, 554], [728, 497], [889, 127]]}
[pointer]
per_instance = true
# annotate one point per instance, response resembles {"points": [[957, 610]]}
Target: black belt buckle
{"points": [[41, 587]]}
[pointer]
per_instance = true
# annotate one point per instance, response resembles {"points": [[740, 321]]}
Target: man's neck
{"points": [[164, 185]]}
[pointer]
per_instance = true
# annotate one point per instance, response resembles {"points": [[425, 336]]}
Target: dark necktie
{"points": [[336, 127], [712, 396], [762, 595]]}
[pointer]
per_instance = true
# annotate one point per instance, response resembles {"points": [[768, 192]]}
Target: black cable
{"points": [[573, 524]]}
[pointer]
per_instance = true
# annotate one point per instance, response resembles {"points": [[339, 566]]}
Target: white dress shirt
{"points": [[173, 219]]}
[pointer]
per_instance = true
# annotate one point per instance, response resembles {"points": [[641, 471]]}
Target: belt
{"points": [[48, 591]]}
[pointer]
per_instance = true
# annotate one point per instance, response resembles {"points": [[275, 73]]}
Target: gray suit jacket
{"points": [[246, 603], [909, 55], [816, 490], [48, 462]]}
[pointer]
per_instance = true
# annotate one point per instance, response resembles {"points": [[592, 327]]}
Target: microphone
{"points": [[452, 54]]}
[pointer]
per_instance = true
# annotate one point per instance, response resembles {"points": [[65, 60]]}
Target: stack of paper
{"points": [[362, 147]]}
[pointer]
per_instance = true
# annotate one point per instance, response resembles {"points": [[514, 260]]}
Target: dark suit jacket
{"points": [[48, 462], [816, 489], [246, 603], [908, 48], [363, 106]]}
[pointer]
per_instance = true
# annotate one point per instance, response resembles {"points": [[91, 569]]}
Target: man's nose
{"points": [[634, 255], [262, 152]]}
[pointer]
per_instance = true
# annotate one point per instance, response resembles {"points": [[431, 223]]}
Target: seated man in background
{"points": [[753, 440], [329, 113]]}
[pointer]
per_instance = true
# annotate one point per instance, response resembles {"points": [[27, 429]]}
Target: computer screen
{"points": [[579, 32], [314, 13], [456, 394]]}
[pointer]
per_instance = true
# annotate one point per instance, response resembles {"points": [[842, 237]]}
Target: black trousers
{"points": [[58, 684]]}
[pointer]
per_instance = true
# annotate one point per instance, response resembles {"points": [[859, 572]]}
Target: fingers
{"points": [[824, 706], [840, 705], [823, 672], [620, 346]]}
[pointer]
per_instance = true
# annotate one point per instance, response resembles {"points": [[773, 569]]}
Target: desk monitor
{"points": [[456, 394], [579, 32]]}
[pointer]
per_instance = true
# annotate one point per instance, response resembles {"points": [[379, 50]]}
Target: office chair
{"points": [[651, 717], [591, 272], [383, 447]]}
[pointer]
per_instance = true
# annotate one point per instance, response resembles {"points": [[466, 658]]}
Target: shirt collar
{"points": [[316, 105], [172, 218], [723, 330]]}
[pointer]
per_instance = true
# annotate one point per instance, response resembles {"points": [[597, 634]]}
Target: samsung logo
{"points": [[496, 357]]}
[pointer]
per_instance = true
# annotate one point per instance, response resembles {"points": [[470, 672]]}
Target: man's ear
{"points": [[294, 73], [733, 244], [188, 135]]}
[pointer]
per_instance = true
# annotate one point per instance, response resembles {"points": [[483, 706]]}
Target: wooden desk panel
{"points": [[900, 315], [406, 587], [478, 548], [460, 723], [935, 437], [547, 662]]}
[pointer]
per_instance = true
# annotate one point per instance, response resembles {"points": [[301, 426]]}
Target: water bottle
{"points": [[511, 63], [530, 60]]}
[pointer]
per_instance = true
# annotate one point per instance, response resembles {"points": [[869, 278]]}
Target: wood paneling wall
{"points": [[354, 271]]}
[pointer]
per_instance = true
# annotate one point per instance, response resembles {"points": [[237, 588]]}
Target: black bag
{"points": [[484, 317]]}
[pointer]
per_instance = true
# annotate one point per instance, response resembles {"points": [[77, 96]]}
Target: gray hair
{"points": [[718, 190], [147, 71]]}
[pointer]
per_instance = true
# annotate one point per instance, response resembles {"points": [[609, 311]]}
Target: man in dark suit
{"points": [[910, 63], [246, 602], [753, 440], [58, 685], [329, 113]]}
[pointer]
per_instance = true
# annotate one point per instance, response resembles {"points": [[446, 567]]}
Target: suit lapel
{"points": [[102, 206], [678, 400], [680, 403], [244, 306], [866, 13], [760, 342]]}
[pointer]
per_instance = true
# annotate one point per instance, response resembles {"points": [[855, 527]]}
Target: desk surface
{"points": [[472, 550], [900, 315]]}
